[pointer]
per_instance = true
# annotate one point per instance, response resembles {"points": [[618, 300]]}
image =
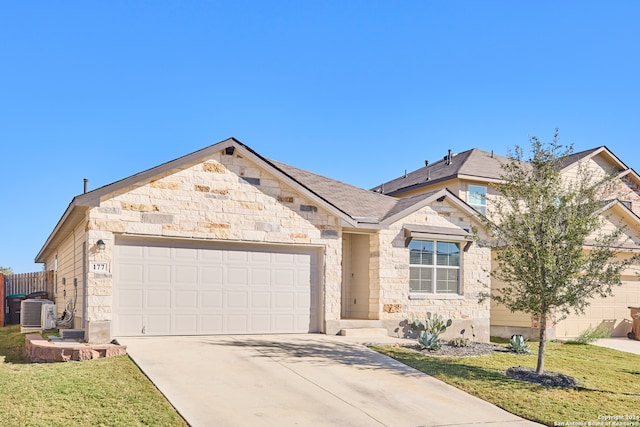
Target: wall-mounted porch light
{"points": [[100, 245]]}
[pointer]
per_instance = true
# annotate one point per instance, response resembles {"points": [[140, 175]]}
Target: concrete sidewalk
{"points": [[621, 344], [287, 380]]}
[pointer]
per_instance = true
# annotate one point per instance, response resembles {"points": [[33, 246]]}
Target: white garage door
{"points": [[612, 312], [165, 288]]}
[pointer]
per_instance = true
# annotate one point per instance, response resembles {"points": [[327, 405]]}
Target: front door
{"points": [[355, 276]]}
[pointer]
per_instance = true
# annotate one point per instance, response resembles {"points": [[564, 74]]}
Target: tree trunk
{"points": [[543, 343]]}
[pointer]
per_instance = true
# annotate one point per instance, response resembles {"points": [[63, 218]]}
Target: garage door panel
{"points": [[257, 258], [303, 278], [131, 299], [158, 324], [158, 299], [185, 274], [186, 299], [286, 259], [158, 275], [612, 312], [260, 323], [185, 254], [236, 323], [303, 322], [283, 322], [212, 275], [211, 255], [284, 277], [211, 324], [135, 252], [211, 300], [185, 323], [260, 300], [158, 253], [284, 301], [130, 274], [303, 302], [193, 289], [235, 300], [260, 277], [237, 276], [130, 324], [237, 257]]}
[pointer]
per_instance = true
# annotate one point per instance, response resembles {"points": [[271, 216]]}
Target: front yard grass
{"points": [[609, 382], [103, 392]]}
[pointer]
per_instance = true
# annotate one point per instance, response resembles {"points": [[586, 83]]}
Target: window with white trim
{"points": [[478, 198], [434, 267]]}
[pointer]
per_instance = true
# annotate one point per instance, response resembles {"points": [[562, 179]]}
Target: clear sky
{"points": [[354, 90]]}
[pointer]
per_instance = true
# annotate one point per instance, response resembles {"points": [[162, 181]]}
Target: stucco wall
{"points": [[218, 199]]}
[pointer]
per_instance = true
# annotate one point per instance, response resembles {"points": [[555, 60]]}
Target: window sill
{"points": [[421, 296]]}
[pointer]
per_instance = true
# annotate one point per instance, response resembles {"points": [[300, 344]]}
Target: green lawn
{"points": [[102, 392], [609, 379]]}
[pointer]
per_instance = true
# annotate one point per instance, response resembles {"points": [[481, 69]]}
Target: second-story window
{"points": [[478, 198]]}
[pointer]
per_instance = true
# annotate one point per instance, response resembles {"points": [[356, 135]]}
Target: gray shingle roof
{"points": [[354, 201], [470, 163], [572, 158]]}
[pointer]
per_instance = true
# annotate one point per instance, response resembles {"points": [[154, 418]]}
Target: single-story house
{"points": [[470, 175], [226, 241]]}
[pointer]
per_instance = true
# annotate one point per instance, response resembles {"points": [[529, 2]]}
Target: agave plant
{"points": [[430, 330], [518, 344]]}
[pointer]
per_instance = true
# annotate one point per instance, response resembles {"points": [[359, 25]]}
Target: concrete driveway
{"points": [[620, 343], [289, 380]]}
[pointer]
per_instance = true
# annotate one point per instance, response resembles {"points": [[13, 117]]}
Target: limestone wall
{"points": [[397, 302], [227, 198]]}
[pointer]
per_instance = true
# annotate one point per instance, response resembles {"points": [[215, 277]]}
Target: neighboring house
{"points": [[226, 241], [469, 175]]}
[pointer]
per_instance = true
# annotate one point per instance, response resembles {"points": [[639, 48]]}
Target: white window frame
{"points": [[434, 267], [480, 207]]}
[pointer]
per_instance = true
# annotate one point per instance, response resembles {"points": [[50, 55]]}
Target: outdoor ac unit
{"points": [[49, 316], [31, 312]]}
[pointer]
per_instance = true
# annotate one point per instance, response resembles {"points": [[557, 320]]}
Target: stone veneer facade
{"points": [[464, 309], [230, 198], [218, 200]]}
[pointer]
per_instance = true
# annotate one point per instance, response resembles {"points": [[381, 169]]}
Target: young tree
{"points": [[547, 237], [6, 270]]}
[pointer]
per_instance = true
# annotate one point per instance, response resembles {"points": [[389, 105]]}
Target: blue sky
{"points": [[355, 90]]}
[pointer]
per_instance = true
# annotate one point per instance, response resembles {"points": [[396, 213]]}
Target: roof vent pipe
{"points": [[86, 181], [426, 163], [405, 173], [492, 154], [449, 158]]}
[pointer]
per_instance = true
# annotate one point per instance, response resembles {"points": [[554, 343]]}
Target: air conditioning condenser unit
{"points": [[31, 313]]}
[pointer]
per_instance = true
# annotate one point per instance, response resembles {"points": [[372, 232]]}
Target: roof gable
{"points": [[357, 207], [411, 204], [471, 164], [615, 215]]}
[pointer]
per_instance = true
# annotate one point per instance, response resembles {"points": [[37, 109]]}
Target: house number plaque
{"points": [[99, 267]]}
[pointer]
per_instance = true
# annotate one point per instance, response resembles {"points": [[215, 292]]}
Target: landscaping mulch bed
{"points": [[475, 349], [547, 379]]}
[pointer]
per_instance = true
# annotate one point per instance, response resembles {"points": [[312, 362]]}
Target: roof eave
{"points": [[72, 216], [444, 193]]}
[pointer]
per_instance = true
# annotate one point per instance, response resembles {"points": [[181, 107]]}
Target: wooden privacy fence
{"points": [[26, 283]]}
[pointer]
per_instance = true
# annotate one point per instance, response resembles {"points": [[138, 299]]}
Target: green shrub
{"points": [[460, 342], [591, 334]]}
